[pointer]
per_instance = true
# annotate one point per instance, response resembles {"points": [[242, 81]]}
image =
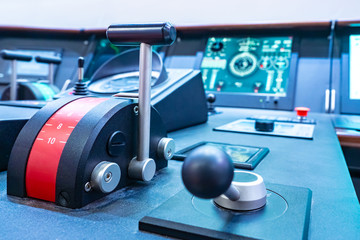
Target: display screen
{"points": [[245, 157], [33, 68], [238, 153], [354, 53], [247, 65]]}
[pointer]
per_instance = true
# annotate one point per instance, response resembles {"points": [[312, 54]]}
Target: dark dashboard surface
{"points": [[315, 164]]}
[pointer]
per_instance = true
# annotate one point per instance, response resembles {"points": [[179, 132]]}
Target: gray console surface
{"points": [[346, 121], [316, 164]]}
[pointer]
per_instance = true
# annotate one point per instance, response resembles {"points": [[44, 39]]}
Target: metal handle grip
{"points": [[135, 34]]}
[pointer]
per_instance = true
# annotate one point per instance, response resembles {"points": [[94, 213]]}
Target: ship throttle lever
{"points": [[208, 172], [142, 167], [51, 61], [14, 56]]}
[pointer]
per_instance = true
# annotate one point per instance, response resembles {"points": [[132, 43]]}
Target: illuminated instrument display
{"points": [[354, 52], [247, 65]]}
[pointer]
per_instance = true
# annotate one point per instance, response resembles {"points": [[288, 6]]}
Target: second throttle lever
{"points": [[143, 167], [51, 61]]}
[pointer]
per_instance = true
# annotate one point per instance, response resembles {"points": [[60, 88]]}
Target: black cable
{"points": [[331, 56]]}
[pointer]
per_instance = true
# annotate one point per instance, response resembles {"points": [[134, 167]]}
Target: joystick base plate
{"points": [[187, 217]]}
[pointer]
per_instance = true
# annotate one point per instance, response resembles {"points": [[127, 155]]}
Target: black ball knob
{"points": [[264, 125], [207, 172], [211, 98]]}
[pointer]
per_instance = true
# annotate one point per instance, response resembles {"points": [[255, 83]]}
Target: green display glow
{"points": [[247, 65]]}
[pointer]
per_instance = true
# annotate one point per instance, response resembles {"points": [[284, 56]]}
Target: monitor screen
{"points": [[252, 65], [354, 66]]}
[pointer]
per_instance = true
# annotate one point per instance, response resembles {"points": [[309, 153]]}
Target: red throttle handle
{"points": [[302, 111]]}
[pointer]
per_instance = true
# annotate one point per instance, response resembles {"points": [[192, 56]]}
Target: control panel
{"points": [[354, 67], [34, 70], [44, 50], [350, 84], [247, 65], [258, 68]]}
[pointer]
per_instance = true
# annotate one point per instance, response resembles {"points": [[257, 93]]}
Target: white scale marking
{"points": [[213, 78], [48, 124], [62, 141], [269, 80], [71, 127], [39, 139]]}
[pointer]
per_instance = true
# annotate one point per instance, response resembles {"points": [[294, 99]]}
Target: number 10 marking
{"points": [[51, 140]]}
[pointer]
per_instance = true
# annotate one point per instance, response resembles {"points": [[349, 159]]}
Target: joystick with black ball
{"points": [[201, 171], [208, 172], [80, 87], [211, 98]]}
